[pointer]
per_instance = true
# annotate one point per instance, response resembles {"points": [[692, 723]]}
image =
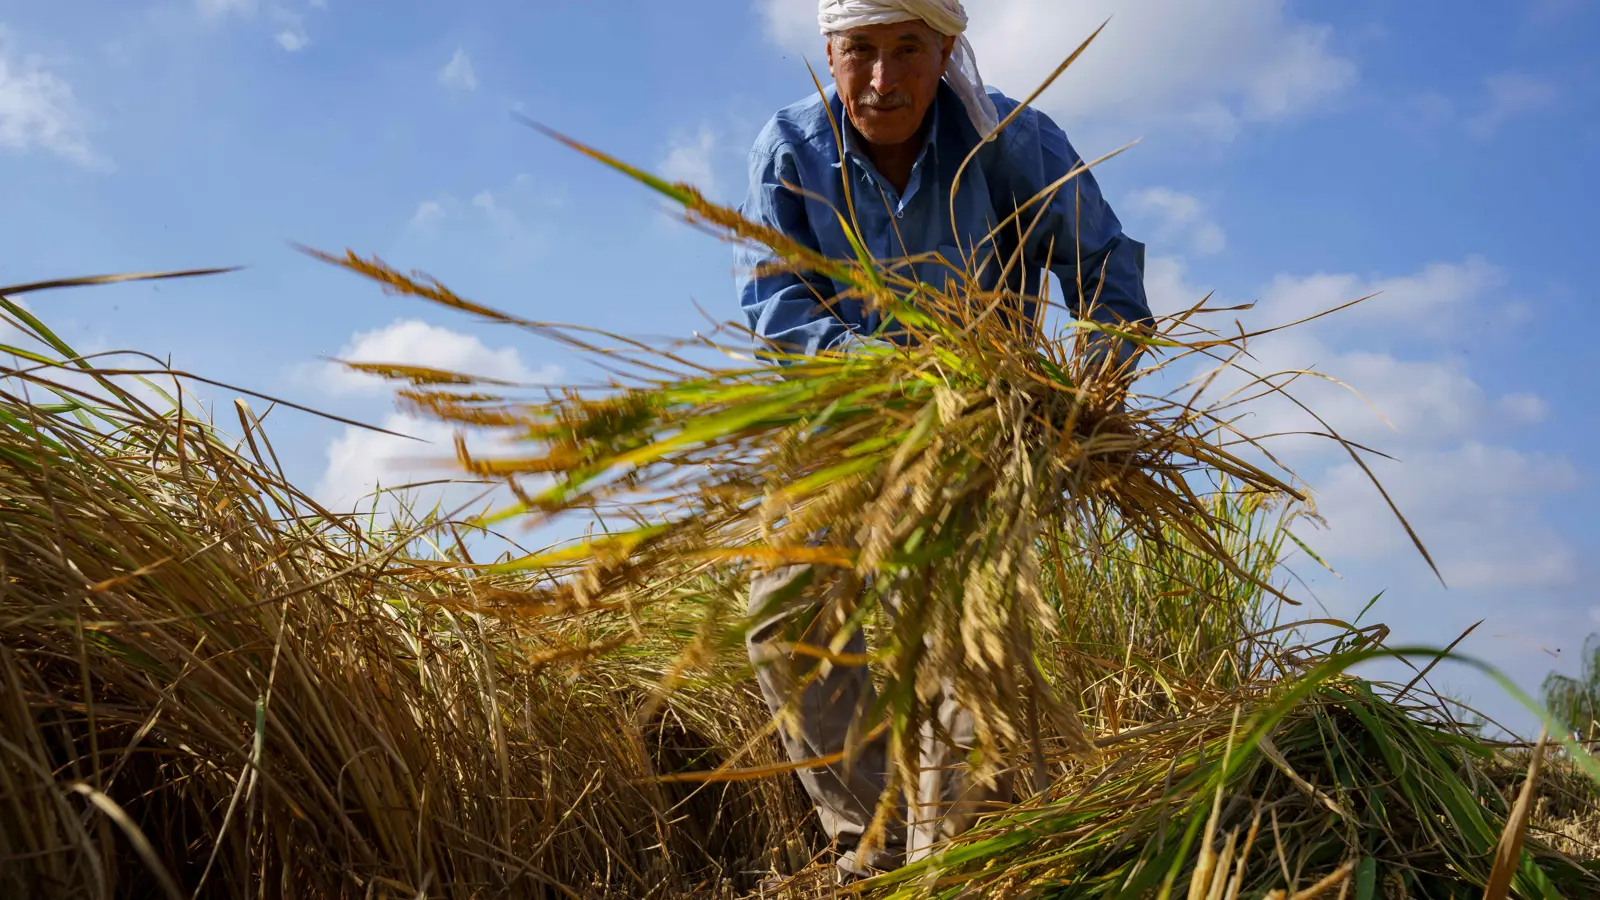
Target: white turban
{"points": [[944, 16]]}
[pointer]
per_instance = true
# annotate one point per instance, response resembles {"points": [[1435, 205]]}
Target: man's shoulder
{"points": [[801, 127], [1031, 135], [1002, 103], [1030, 119]]}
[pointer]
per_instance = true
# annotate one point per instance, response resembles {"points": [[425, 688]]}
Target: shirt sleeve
{"points": [[783, 308], [1079, 236]]}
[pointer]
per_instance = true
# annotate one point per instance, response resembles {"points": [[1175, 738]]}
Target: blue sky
{"points": [[1298, 155]]}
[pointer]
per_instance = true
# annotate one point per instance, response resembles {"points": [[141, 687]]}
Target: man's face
{"points": [[888, 76]]}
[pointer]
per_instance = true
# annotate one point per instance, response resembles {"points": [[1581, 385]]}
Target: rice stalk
{"points": [[210, 685]]}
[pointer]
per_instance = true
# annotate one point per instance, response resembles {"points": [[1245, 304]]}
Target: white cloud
{"points": [[429, 213], [1165, 287], [1211, 66], [1474, 501], [504, 219], [1178, 218], [39, 110], [690, 160], [1507, 96], [457, 74], [1398, 400], [361, 461], [1524, 409], [1474, 506], [292, 39], [517, 240], [1379, 401], [291, 36], [1429, 303], [218, 8], [1210, 238], [413, 342]]}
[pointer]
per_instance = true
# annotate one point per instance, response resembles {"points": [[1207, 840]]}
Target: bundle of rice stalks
{"points": [[938, 476], [1326, 786], [211, 686]]}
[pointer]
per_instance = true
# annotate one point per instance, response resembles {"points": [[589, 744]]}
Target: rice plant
{"points": [[1329, 781], [212, 686], [1576, 700]]}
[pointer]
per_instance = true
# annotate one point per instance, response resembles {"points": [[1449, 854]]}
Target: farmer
{"points": [[910, 106]]}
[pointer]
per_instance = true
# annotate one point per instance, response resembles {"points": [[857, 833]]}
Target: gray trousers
{"points": [[947, 802]]}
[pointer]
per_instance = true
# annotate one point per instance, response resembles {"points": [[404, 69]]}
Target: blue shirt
{"points": [[797, 147]]}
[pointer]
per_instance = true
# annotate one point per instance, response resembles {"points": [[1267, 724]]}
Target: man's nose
{"points": [[886, 75]]}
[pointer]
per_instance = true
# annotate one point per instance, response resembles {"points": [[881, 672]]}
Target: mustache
{"points": [[870, 97]]}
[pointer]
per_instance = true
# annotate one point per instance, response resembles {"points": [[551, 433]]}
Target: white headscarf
{"points": [[944, 16]]}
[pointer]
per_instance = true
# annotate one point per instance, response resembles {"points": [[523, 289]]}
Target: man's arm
{"points": [[783, 307], [1079, 237]]}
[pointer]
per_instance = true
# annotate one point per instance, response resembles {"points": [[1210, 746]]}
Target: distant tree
{"points": [[1576, 701]]}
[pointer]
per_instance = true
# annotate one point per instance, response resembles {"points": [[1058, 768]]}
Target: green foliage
{"points": [[1316, 777], [1165, 604], [1576, 700]]}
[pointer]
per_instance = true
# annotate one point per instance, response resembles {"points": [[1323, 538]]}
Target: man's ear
{"points": [[947, 46], [829, 39]]}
